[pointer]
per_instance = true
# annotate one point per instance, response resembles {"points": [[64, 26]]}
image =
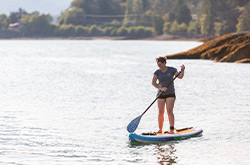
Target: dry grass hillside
{"points": [[233, 47]]}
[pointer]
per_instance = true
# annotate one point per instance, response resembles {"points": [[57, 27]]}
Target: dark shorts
{"points": [[166, 96]]}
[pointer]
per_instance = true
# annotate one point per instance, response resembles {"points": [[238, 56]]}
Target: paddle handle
{"points": [[161, 93]]}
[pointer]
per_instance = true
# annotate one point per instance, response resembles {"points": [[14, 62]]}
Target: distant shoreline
{"points": [[154, 38]]}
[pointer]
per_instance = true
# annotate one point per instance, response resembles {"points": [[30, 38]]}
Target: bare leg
{"points": [[170, 106], [161, 107]]}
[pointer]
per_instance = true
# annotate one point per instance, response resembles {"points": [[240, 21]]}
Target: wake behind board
{"points": [[164, 137]]}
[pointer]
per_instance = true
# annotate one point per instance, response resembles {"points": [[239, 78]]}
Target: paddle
{"points": [[132, 126]]}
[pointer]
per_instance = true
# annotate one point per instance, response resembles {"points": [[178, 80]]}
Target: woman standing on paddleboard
{"points": [[164, 75]]}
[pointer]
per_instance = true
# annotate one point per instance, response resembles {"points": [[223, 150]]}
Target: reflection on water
{"points": [[165, 154]]}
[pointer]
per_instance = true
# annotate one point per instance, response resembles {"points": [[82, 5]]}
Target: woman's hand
{"points": [[182, 73], [164, 89], [182, 67]]}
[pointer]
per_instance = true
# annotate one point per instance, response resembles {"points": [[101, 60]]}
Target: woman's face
{"points": [[161, 65]]}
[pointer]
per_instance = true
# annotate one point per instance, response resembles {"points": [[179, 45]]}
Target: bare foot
{"points": [[160, 131]]}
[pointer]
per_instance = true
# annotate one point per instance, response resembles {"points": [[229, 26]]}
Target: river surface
{"points": [[69, 102]]}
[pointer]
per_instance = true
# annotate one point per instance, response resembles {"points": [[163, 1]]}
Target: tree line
{"points": [[132, 18]]}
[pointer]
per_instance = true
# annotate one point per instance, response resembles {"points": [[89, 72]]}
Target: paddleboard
{"points": [[179, 134]]}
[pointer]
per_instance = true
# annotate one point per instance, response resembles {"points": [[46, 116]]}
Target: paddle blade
{"points": [[133, 124]]}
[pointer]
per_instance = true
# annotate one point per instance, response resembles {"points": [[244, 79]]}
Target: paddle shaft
{"points": [[161, 93]]}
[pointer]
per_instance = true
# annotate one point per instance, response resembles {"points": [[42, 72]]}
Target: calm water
{"points": [[69, 102]]}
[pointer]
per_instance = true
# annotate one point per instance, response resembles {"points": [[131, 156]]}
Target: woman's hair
{"points": [[161, 59]]}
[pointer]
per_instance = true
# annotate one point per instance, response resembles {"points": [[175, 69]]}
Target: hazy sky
{"points": [[54, 7]]}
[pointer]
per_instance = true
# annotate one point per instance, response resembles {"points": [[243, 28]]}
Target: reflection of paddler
{"points": [[166, 153], [164, 75]]}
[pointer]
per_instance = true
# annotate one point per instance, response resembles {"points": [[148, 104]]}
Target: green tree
{"points": [[139, 31], [169, 17], [36, 25], [3, 22], [97, 11], [104, 7], [95, 31], [66, 30], [183, 13], [122, 31], [166, 27], [148, 18], [138, 10], [227, 12], [206, 26], [75, 16], [158, 23], [134, 13], [143, 31], [88, 6], [207, 17], [161, 7], [113, 32], [108, 30], [16, 16], [178, 28], [174, 27], [182, 28], [244, 19], [129, 10], [219, 28], [82, 31], [193, 28]]}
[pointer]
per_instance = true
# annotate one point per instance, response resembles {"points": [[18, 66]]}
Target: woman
{"points": [[165, 75]]}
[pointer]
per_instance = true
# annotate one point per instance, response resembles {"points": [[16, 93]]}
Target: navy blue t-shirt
{"points": [[165, 78]]}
